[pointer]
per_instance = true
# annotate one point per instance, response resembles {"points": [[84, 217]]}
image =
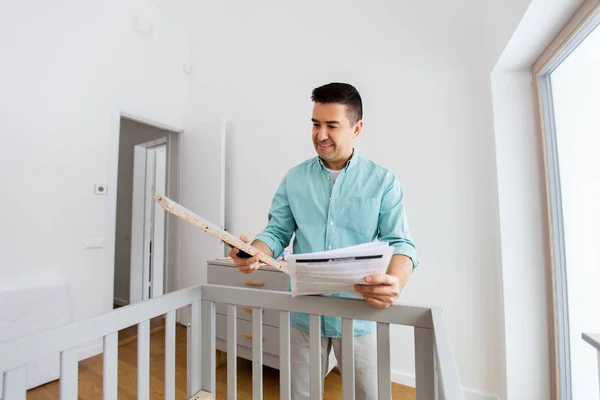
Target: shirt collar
{"points": [[350, 164]]}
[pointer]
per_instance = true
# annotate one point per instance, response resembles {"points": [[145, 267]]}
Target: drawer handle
{"points": [[249, 309], [253, 283], [249, 335]]}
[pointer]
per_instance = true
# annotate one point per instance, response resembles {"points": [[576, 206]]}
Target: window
{"points": [[568, 77]]}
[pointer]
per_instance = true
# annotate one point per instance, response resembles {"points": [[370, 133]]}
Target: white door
{"points": [[148, 222], [203, 192]]}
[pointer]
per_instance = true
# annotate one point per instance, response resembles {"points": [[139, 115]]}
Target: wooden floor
{"points": [[90, 374]]}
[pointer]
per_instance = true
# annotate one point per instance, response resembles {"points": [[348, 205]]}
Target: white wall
{"points": [[420, 67], [68, 66]]}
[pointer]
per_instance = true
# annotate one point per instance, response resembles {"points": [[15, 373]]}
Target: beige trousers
{"points": [[365, 363]]}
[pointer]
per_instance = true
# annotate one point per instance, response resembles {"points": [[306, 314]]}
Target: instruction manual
{"points": [[337, 271]]}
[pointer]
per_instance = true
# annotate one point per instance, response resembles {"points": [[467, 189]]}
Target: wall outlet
{"points": [[100, 188]]}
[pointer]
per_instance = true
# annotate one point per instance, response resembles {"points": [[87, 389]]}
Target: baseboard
{"points": [[120, 302], [409, 380]]}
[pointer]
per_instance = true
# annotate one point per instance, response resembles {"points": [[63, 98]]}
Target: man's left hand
{"points": [[382, 290]]}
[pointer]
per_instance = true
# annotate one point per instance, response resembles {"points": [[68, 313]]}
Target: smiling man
{"points": [[335, 200]]}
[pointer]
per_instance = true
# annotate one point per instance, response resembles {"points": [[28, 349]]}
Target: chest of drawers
{"points": [[225, 273]]}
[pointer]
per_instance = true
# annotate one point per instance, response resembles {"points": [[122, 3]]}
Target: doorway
{"points": [[144, 265]]}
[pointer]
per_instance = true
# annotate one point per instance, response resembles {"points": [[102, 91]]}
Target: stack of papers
{"points": [[337, 271]]}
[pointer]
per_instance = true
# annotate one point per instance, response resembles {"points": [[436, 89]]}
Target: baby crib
{"points": [[436, 373]]}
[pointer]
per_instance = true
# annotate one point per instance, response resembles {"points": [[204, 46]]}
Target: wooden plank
{"points": [[14, 385], [69, 363], [257, 353], [170, 355], [143, 365], [340, 307], [110, 366], [315, 356], [194, 369], [285, 383], [447, 369], [207, 351], [231, 352], [348, 378], [424, 364], [384, 363]]}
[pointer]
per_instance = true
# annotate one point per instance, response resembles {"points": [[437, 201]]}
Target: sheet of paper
{"points": [[337, 271]]}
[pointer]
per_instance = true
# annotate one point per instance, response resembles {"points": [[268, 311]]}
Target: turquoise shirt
{"points": [[364, 204]]}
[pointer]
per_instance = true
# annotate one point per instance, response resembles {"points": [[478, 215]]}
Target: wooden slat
{"points": [[348, 378], [170, 355], [257, 346], [110, 366], [69, 368], [207, 352], [14, 386], [315, 356], [445, 359], [143, 366], [384, 374], [231, 351], [424, 364], [194, 350], [285, 387]]}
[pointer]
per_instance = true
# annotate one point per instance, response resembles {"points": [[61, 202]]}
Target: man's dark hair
{"points": [[341, 93]]}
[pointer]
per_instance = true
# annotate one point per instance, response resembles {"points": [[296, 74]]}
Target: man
{"points": [[335, 200]]}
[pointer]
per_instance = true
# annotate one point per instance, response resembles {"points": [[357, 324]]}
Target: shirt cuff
{"points": [[409, 251], [273, 243]]}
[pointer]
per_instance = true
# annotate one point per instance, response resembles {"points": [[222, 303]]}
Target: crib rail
{"points": [[594, 340], [436, 372]]}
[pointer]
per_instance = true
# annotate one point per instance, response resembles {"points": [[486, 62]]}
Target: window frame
{"points": [[583, 22]]}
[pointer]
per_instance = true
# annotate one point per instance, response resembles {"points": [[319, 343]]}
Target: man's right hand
{"points": [[245, 265]]}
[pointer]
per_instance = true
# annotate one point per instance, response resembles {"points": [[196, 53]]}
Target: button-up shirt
{"points": [[364, 204]]}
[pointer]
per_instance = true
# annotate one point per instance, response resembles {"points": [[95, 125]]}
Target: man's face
{"points": [[333, 133]]}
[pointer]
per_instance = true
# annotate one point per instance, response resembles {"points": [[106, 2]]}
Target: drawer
{"points": [[244, 331], [270, 317], [230, 276]]}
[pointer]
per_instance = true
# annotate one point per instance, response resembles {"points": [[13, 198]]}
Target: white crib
{"points": [[436, 373]]}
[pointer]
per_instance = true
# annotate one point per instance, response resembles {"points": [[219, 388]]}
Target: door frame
{"points": [[111, 197], [139, 281]]}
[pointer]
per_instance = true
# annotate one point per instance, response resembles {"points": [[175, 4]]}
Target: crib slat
{"points": [[68, 373], [384, 375], [193, 377], [170, 355], [348, 358], [208, 368], [110, 365], [424, 364], [143, 364], [257, 361], [315, 356], [15, 384], [231, 351], [285, 389]]}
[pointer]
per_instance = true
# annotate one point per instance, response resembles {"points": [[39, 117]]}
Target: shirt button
{"points": [[331, 223], [328, 178], [329, 247]]}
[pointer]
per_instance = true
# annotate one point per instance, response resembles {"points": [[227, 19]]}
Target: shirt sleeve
{"points": [[393, 224], [281, 224]]}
